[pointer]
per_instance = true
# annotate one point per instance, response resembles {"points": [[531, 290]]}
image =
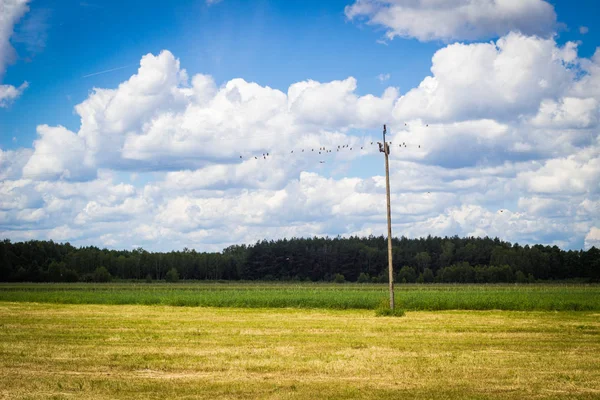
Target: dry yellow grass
{"points": [[52, 351]]}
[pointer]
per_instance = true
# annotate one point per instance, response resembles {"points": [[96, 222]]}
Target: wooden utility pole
{"points": [[385, 149]]}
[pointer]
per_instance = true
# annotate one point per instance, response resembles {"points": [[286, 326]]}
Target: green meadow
{"points": [[314, 295]]}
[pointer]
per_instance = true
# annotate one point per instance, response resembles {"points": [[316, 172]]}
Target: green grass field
{"points": [[310, 295], [57, 351]]}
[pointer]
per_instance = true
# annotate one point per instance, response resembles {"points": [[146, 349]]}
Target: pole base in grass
{"points": [[388, 312]]}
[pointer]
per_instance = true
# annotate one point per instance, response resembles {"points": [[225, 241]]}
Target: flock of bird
{"points": [[324, 150]]}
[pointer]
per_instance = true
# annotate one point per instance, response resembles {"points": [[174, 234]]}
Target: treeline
{"points": [[431, 259]]}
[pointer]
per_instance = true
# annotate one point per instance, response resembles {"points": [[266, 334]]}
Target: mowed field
{"points": [[53, 350]]}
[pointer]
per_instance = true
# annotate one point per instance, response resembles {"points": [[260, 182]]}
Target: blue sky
{"points": [[65, 49]]}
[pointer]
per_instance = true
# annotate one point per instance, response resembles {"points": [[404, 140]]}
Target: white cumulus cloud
{"points": [[501, 140], [428, 20], [11, 12], [499, 80], [157, 120], [593, 238]]}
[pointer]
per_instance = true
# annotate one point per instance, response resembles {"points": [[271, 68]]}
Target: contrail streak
{"points": [[108, 70]]}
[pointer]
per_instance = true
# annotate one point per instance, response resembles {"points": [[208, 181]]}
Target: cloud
{"points": [[577, 173], [159, 120], [568, 112], [583, 30], [9, 93], [500, 80], [513, 152], [592, 239], [11, 12], [32, 31], [428, 20], [521, 98], [12, 163], [59, 153], [383, 77], [474, 220]]}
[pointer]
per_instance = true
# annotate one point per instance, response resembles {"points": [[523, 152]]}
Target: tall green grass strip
{"points": [[315, 296]]}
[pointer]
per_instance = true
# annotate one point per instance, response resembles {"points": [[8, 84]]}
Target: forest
{"points": [[354, 259]]}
